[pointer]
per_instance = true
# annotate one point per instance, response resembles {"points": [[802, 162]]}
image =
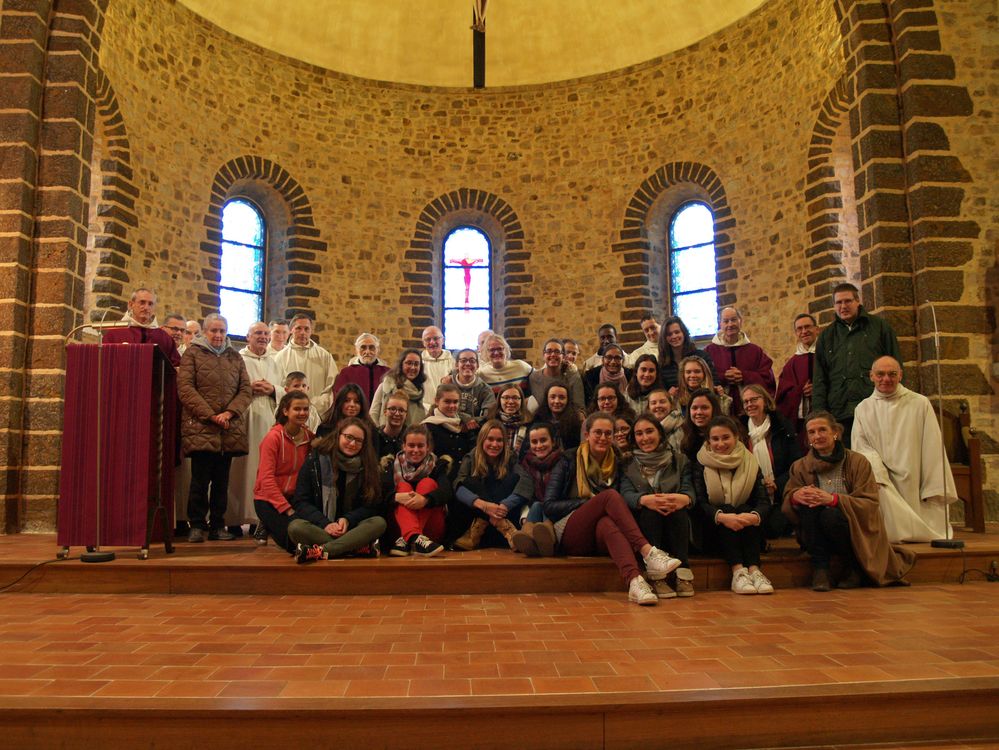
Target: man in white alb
{"points": [[302, 354]]}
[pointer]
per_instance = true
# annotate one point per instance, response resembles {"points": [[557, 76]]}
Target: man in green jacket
{"points": [[844, 354]]}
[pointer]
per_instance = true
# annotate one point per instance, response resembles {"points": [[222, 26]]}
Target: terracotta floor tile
{"points": [[415, 672], [80, 688], [314, 689], [563, 685], [131, 688], [511, 686], [192, 689], [13, 687], [253, 689], [377, 688], [441, 687], [471, 671], [528, 669]]}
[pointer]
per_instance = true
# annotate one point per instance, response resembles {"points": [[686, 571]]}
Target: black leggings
{"points": [[275, 522]]}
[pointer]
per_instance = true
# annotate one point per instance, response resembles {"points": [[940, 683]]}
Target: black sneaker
{"points": [[372, 550], [309, 553], [219, 535], [260, 534], [196, 535], [424, 546], [400, 548]]}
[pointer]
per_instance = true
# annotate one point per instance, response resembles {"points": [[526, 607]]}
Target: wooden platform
{"points": [[116, 663], [241, 567]]}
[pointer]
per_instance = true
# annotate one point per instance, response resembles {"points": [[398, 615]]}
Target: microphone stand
{"points": [[948, 541]]}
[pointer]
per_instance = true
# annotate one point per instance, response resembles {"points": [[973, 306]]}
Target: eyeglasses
{"points": [[396, 410], [352, 439], [467, 361], [550, 352], [176, 329], [434, 338], [496, 350], [510, 398], [602, 433], [752, 400], [622, 430], [604, 399], [613, 358]]}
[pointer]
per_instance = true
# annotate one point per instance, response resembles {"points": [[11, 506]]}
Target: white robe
{"points": [[435, 370], [649, 347], [900, 436], [319, 367], [259, 420]]}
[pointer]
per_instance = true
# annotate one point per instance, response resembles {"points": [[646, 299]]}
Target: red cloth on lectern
{"points": [[130, 391], [140, 335]]}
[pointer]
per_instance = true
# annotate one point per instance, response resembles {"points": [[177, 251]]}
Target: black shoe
{"points": [[424, 546], [236, 531], [372, 550], [307, 553], [820, 580], [196, 535], [260, 534], [852, 581], [220, 535]]}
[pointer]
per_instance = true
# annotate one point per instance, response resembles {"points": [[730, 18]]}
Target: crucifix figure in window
{"points": [[467, 264]]}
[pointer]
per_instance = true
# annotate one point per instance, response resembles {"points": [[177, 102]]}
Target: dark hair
{"points": [[623, 408], [419, 429], [397, 374], [371, 488], [566, 423], [634, 388], [723, 420], [596, 417], [647, 416], [294, 375], [605, 326], [665, 350], [286, 399], [846, 286], [547, 427], [692, 438], [278, 322], [799, 316], [335, 412]]}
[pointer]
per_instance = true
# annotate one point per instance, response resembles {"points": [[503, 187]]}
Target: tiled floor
{"points": [[236, 647]]}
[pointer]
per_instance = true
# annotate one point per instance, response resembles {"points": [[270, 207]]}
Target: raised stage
{"points": [[251, 650]]}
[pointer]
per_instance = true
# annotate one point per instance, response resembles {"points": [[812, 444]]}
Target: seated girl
{"points": [[349, 402], [338, 496], [694, 374], [671, 418], [511, 412], [452, 433], [657, 486], [644, 380], [421, 490], [536, 537], [607, 398], [489, 490], [282, 454], [556, 411], [732, 499], [591, 517]]}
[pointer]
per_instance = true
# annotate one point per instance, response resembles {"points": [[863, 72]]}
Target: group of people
{"points": [[642, 456]]}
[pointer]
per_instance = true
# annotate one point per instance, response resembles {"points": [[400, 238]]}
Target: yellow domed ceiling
{"points": [[430, 42]]}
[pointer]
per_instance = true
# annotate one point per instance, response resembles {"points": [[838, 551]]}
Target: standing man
{"points": [[142, 326], [265, 385], [650, 327], [193, 330], [844, 355], [279, 335], [738, 362], [897, 432], [365, 370], [302, 354], [794, 386], [175, 326], [607, 335], [437, 362]]}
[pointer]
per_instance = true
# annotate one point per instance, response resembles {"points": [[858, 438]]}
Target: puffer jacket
{"points": [[208, 384]]}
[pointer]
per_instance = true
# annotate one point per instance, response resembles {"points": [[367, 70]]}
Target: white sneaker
{"points": [[640, 592], [663, 590], [742, 583], [658, 564], [760, 582]]}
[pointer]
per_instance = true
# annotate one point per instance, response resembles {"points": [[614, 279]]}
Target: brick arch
{"points": [[511, 281], [300, 244], [637, 249], [824, 205], [112, 205]]}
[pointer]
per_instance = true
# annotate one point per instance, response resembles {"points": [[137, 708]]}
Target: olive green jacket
{"points": [[843, 358]]}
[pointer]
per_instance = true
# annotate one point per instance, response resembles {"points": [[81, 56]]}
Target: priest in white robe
{"points": [[302, 354], [265, 381], [897, 431]]}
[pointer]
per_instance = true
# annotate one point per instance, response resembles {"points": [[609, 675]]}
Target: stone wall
{"points": [[833, 138]]}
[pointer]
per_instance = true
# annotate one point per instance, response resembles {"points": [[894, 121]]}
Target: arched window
{"points": [[241, 289], [467, 293], [693, 283]]}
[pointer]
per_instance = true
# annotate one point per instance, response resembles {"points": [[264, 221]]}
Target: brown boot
{"points": [[544, 538], [523, 541], [507, 529], [470, 539]]}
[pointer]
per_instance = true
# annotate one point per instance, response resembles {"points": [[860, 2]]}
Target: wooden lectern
{"points": [[119, 447]]}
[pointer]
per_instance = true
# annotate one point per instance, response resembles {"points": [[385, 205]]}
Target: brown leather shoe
{"points": [[505, 527], [473, 537], [820, 580], [544, 538], [523, 541]]}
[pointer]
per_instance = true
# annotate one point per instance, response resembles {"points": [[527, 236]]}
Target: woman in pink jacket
{"points": [[282, 453]]}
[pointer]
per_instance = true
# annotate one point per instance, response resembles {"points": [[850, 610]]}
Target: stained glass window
{"points": [[241, 289], [467, 292], [693, 284]]}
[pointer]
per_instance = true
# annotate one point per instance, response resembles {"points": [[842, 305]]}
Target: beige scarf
{"points": [[591, 477], [729, 479]]}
